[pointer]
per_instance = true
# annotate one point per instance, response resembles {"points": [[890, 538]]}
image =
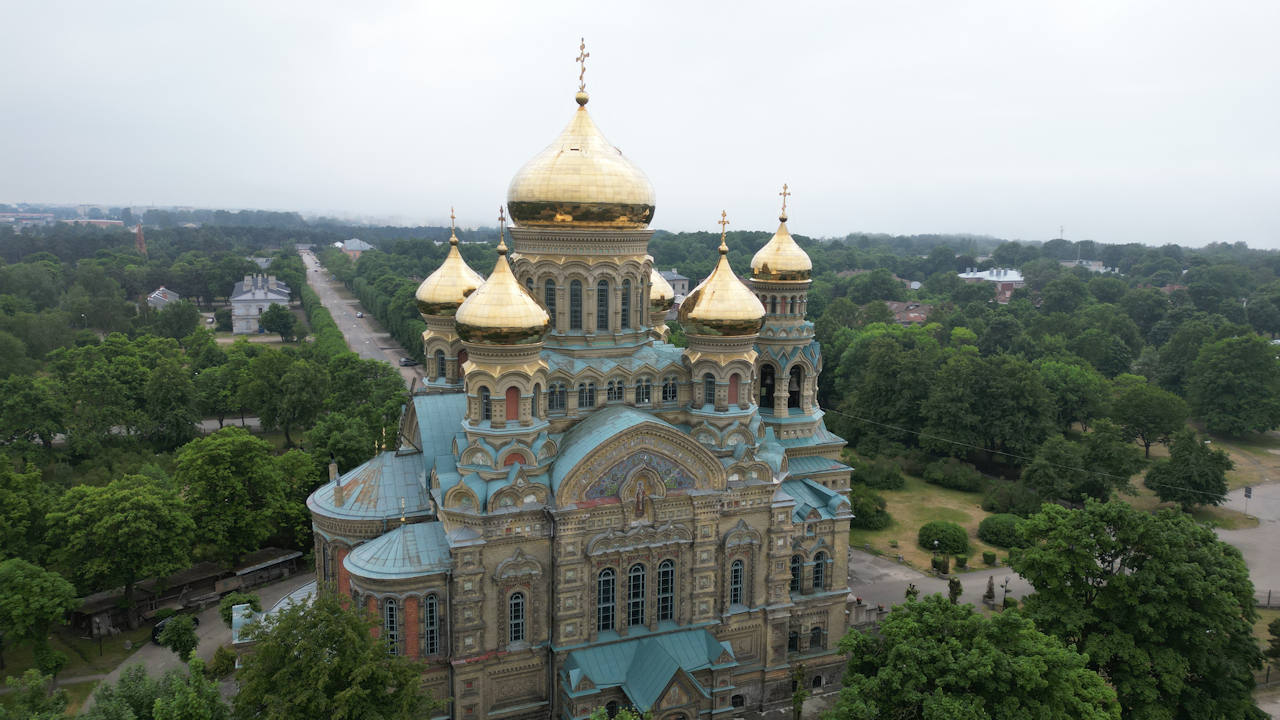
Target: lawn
{"points": [[82, 653], [915, 505]]}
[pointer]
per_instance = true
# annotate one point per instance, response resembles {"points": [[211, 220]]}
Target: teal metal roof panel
{"points": [[809, 495], [644, 667], [821, 436], [439, 417], [408, 551], [372, 491], [815, 464], [593, 432]]}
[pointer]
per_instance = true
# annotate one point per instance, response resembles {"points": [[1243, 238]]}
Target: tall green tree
{"points": [[124, 532], [1160, 607], [170, 399], [32, 600], [1148, 413], [179, 635], [286, 392], [32, 411], [35, 697], [1078, 392], [321, 660], [184, 694], [1194, 474], [177, 320], [932, 659], [1234, 386], [279, 319], [235, 487], [997, 404], [24, 500]]}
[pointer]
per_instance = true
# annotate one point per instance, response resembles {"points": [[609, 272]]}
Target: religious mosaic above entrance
{"points": [[674, 476]]}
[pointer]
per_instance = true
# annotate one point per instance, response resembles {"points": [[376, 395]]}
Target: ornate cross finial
{"points": [[502, 227], [582, 61], [724, 226], [784, 195], [452, 217]]}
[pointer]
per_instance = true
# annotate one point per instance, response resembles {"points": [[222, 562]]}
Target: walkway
{"points": [[884, 582]]}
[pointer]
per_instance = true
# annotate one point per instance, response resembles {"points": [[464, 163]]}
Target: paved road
{"points": [[212, 634], [364, 335], [884, 582], [1258, 545]]}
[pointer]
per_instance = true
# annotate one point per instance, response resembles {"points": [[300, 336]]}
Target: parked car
{"points": [[359, 314], [408, 362], [159, 628]]}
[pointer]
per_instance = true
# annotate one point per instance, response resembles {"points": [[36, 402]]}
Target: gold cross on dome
{"points": [[582, 60], [724, 225], [502, 220], [784, 195], [451, 219]]}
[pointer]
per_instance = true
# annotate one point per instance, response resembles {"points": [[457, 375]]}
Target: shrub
{"points": [[881, 474], [962, 561], [1010, 497], [941, 563], [954, 474], [913, 462], [1010, 602], [868, 509], [1001, 530], [951, 538], [222, 664], [988, 557], [163, 613]]}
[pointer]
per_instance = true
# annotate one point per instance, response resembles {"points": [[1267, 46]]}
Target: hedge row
{"points": [[328, 338]]}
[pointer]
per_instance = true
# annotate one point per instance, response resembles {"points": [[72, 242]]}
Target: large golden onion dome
{"points": [[661, 295], [722, 304], [501, 311], [781, 259], [581, 181], [445, 289]]}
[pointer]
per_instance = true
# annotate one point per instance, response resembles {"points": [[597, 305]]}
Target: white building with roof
{"points": [[251, 297]]}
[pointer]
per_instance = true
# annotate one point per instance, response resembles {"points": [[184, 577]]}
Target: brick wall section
{"points": [[344, 580], [411, 639]]}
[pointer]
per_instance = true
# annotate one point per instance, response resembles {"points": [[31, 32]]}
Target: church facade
{"points": [[579, 514]]}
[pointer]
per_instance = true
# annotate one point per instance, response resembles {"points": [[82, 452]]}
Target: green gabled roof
{"points": [[406, 552], [439, 419], [809, 495], [593, 432], [644, 668]]}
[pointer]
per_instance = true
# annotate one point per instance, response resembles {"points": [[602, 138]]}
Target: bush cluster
{"points": [[880, 473], [952, 539], [1010, 497], [868, 509], [1001, 530], [954, 474], [329, 340]]}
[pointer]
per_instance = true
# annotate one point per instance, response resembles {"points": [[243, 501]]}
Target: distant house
{"points": [[909, 313], [1006, 280], [354, 247], [1095, 266], [679, 283], [261, 262], [251, 297], [162, 297]]}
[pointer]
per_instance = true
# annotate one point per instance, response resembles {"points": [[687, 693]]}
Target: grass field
{"points": [[917, 504], [82, 654]]}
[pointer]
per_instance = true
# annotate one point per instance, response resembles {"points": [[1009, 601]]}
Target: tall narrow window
{"points": [[670, 390], [486, 407], [528, 285], [708, 389], [795, 383], [793, 644], [733, 389], [575, 305], [644, 391], [767, 381], [820, 571], [796, 564], [430, 625], [512, 406], [625, 322], [515, 618], [586, 395], [602, 306], [735, 583], [635, 595], [534, 404], [326, 564], [667, 590], [391, 625], [773, 305], [549, 300], [440, 365], [815, 643], [615, 390], [555, 397], [606, 599]]}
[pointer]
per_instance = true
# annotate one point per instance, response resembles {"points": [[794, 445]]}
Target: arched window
{"points": [[708, 389], [635, 595], [512, 408], [735, 583], [429, 625], [733, 389], [586, 395], [773, 305], [515, 618], [556, 397], [575, 305], [794, 384], [615, 390], [796, 564], [644, 391], [793, 304], [326, 564], [820, 571], [534, 404], [670, 390], [462, 360], [440, 365], [528, 285], [815, 641], [549, 300], [666, 590], [767, 382], [391, 625], [793, 643], [625, 321], [738, 701], [602, 306], [611, 709], [817, 681], [606, 599], [486, 409]]}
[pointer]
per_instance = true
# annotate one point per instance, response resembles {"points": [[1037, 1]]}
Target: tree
{"points": [[320, 660], [177, 320], [799, 690], [32, 410], [1063, 294], [286, 392], [179, 695], [234, 486], [24, 500], [170, 406], [278, 318], [215, 389], [1057, 472], [1194, 474], [1234, 386], [231, 599], [1273, 642], [997, 404], [1148, 413], [31, 600], [179, 635], [936, 660], [1111, 459], [122, 533], [954, 590], [1078, 392], [34, 698], [1157, 604]]}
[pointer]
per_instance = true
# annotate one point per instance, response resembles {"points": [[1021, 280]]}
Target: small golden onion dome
{"points": [[581, 181], [445, 289], [501, 311], [781, 259], [661, 295], [722, 304]]}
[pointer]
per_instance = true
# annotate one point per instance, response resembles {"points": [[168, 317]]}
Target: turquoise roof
{"points": [[594, 432], [821, 436], [373, 490], [406, 552], [659, 356], [643, 668], [814, 464], [809, 496], [439, 419]]}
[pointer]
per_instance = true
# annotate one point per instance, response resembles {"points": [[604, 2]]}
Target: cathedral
{"points": [[578, 514]]}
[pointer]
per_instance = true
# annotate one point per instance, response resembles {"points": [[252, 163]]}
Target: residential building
{"points": [[1006, 280], [251, 297], [161, 297]]}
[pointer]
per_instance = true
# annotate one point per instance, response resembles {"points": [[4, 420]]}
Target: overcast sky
{"points": [[1122, 121]]}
